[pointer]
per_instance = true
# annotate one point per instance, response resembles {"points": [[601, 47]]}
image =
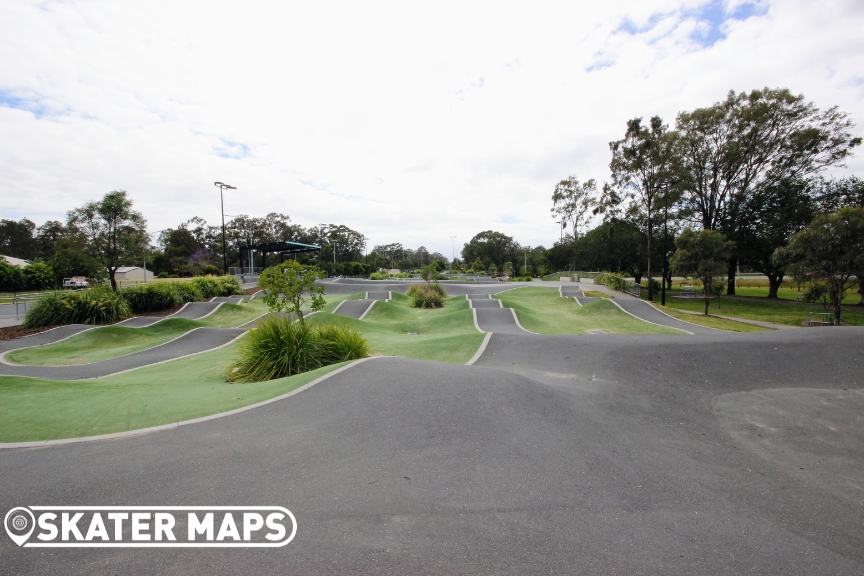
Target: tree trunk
{"points": [[861, 288], [637, 276], [730, 278], [706, 293], [774, 282], [111, 273]]}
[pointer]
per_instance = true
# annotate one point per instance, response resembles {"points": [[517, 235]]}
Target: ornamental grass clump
{"points": [[98, 305], [429, 295], [277, 347], [152, 297], [208, 286], [188, 291]]}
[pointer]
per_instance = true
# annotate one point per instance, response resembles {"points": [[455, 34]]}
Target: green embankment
{"points": [[40, 409], [109, 342], [543, 311], [394, 328]]}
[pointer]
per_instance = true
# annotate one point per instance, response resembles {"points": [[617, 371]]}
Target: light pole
{"points": [[222, 187], [525, 268], [561, 222], [453, 255]]}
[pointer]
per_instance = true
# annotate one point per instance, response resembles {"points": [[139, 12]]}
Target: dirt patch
{"points": [[15, 332], [251, 291]]}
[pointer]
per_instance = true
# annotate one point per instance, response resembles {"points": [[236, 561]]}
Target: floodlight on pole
{"points": [[222, 187], [561, 222], [453, 255]]}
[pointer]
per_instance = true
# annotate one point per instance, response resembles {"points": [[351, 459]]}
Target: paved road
{"points": [[197, 340], [498, 320], [378, 295], [552, 455]]}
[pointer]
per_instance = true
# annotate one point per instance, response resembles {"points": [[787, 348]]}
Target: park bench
{"points": [[689, 292], [820, 319]]}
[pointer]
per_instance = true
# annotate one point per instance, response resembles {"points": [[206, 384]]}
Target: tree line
{"points": [[748, 167]]}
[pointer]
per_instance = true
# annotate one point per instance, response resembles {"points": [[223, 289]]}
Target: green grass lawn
{"points": [[39, 409], [543, 311], [109, 342], [761, 309], [394, 328], [711, 321]]}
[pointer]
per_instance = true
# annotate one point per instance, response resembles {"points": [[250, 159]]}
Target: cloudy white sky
{"points": [[408, 122]]}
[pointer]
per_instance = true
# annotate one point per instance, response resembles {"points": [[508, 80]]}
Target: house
{"points": [[133, 274], [15, 261]]}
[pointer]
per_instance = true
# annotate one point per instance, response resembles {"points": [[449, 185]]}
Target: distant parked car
{"points": [[75, 282]]}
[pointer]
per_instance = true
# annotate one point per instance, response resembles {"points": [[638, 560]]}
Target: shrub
{"points": [[207, 285], [340, 343], [163, 275], [152, 297], [523, 278], [38, 275], [98, 305], [229, 286], [277, 347], [188, 291], [379, 276], [430, 295]]}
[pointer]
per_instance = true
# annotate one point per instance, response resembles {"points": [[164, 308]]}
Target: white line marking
{"points": [[339, 306], [209, 313], [367, 309], [476, 325], [2, 356], [480, 350], [686, 322], [517, 321]]}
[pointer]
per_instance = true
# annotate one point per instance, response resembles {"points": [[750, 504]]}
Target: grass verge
{"points": [[596, 294], [40, 409], [109, 342], [394, 328], [711, 321], [543, 311], [758, 309]]}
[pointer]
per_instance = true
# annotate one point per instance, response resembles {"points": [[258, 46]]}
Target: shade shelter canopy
{"points": [[282, 248]]}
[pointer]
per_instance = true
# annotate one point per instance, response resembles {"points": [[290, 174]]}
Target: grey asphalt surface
{"points": [[732, 454], [378, 295], [228, 299], [354, 308], [479, 296], [196, 310], [498, 320], [493, 303], [142, 321], [582, 300], [571, 291], [47, 337], [198, 340], [646, 311]]}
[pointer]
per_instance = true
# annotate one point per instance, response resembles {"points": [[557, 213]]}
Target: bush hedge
{"points": [[98, 305], [277, 347], [153, 297]]}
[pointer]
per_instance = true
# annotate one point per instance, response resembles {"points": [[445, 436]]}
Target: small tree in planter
{"points": [[290, 285]]}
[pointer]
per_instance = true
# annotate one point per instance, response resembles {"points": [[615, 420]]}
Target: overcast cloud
{"points": [[407, 122]]}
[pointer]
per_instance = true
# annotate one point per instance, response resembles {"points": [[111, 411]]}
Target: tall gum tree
{"points": [[641, 169], [748, 143]]}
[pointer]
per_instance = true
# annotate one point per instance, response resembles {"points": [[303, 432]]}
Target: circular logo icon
{"points": [[19, 523]]}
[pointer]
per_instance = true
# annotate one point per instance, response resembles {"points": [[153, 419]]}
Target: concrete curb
{"points": [[480, 350]]}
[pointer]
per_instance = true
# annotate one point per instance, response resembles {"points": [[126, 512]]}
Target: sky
{"points": [[408, 122]]}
